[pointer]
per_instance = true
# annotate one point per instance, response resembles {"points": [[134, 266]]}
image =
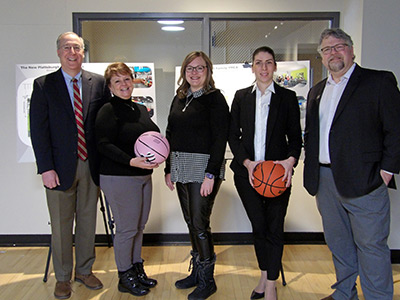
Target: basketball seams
{"points": [[152, 143], [151, 148], [162, 141], [270, 186]]}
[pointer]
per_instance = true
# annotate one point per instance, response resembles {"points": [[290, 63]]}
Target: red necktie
{"points": [[82, 150]]}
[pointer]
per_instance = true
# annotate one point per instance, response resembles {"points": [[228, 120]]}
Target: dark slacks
{"points": [[196, 212], [267, 216]]}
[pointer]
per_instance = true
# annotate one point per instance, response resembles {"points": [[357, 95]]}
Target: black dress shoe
{"points": [[255, 295], [328, 298]]}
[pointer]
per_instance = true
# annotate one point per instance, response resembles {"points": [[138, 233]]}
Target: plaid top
{"points": [[190, 167], [197, 132]]}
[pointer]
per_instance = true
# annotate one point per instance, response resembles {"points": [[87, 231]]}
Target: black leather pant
{"points": [[196, 212]]}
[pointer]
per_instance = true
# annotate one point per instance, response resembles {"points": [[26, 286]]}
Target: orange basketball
{"points": [[268, 179]]}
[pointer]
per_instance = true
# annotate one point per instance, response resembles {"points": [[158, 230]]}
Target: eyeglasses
{"points": [[67, 48], [328, 50], [199, 69]]}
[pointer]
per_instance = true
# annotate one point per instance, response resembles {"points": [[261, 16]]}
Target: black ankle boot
{"points": [[206, 283], [191, 280], [129, 283], [143, 279]]}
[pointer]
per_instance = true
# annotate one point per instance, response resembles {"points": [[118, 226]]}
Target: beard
{"points": [[336, 66]]}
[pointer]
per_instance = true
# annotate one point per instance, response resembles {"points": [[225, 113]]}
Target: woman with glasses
{"points": [[265, 125], [197, 132]]}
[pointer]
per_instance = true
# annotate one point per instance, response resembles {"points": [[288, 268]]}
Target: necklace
{"points": [[130, 106], [187, 102]]}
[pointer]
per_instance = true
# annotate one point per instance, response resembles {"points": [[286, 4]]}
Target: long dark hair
{"points": [[264, 49]]}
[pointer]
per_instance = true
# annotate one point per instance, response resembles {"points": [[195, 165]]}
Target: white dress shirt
{"points": [[327, 108], [262, 110]]}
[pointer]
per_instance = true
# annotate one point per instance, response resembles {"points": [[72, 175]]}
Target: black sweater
{"points": [[118, 124], [202, 128]]}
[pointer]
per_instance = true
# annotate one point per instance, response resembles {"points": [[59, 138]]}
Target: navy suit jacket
{"points": [[283, 137], [53, 127], [364, 137]]}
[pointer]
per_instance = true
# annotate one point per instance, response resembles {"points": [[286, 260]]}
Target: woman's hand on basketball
{"points": [[169, 182], [206, 187], [287, 164], [250, 165], [143, 163]]}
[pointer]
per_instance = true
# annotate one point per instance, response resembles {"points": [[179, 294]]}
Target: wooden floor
{"points": [[308, 270]]}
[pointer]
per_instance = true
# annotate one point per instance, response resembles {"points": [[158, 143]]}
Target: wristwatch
{"points": [[209, 176]]}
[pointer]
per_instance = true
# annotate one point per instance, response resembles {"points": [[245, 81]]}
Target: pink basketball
{"points": [[153, 145]]}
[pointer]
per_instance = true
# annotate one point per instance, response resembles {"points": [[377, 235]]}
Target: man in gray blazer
{"points": [[352, 150], [63, 109]]}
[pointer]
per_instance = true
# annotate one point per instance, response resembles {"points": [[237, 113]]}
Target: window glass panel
{"points": [[144, 41], [235, 41], [140, 39]]}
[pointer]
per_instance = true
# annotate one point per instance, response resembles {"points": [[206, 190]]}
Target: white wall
{"points": [[380, 50], [28, 30]]}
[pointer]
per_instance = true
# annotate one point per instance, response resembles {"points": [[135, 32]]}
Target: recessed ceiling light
{"points": [[170, 22], [173, 28]]}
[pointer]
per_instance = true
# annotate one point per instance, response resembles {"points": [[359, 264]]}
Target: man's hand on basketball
{"points": [[287, 164]]}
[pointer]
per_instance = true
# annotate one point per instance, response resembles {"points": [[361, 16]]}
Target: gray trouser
{"points": [[356, 231], [78, 203], [130, 201]]}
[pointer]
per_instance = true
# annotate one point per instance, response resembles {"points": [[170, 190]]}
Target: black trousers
{"points": [[196, 212], [267, 216]]}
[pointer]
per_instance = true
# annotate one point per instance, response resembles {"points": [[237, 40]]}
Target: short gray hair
{"points": [[336, 33], [62, 35]]}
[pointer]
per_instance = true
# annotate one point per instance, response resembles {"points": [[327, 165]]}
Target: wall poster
{"points": [[294, 75], [144, 93]]}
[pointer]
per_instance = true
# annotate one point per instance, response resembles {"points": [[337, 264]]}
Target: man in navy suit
{"points": [[70, 175], [352, 150]]}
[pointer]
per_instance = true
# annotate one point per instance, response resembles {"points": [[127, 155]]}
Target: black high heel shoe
{"points": [[255, 295]]}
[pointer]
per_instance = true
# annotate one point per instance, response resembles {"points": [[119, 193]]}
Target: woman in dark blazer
{"points": [[265, 125]]}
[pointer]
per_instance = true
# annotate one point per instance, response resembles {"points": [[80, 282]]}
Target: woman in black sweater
{"points": [[197, 132], [124, 178]]}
